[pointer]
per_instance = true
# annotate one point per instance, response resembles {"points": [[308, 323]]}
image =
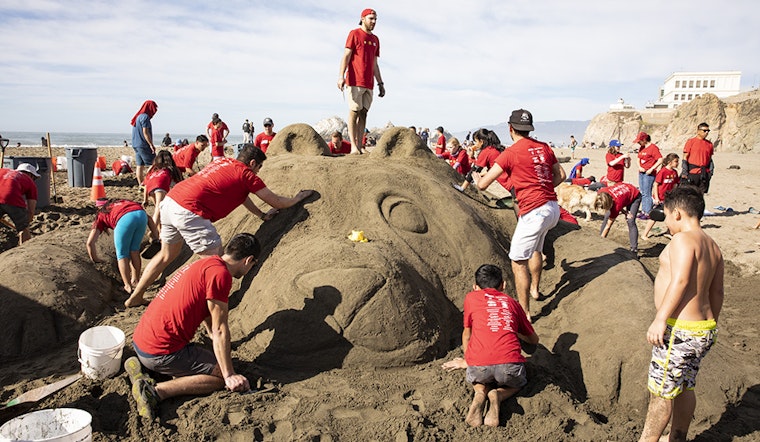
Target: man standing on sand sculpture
{"points": [[197, 294], [535, 172], [192, 206], [688, 295], [358, 69]]}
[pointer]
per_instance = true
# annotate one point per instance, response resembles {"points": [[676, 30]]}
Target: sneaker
{"points": [[458, 187], [642, 216], [143, 390]]}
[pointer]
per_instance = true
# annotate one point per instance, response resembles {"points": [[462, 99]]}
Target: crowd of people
{"points": [[497, 328]]}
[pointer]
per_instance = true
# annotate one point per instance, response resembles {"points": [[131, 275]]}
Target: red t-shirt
{"points": [[615, 173], [566, 216], [700, 152], [217, 190], [105, 221], [345, 147], [623, 194], [262, 141], [487, 158], [495, 320], [217, 139], [361, 66], [120, 166], [649, 155], [440, 146], [185, 157], [464, 161], [158, 179], [581, 181], [14, 186], [666, 180], [172, 318], [529, 165]]}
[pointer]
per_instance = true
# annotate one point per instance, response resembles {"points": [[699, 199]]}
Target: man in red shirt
{"points": [[262, 140], [192, 206], [440, 145], [358, 70], [338, 145], [185, 157], [197, 294], [494, 323], [697, 159], [534, 172], [15, 186]]}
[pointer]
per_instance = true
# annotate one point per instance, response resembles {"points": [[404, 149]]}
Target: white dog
{"points": [[575, 198]]}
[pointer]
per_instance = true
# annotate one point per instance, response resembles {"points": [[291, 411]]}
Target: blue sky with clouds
{"points": [[86, 66]]}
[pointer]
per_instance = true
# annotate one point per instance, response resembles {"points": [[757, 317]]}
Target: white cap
{"points": [[26, 167]]}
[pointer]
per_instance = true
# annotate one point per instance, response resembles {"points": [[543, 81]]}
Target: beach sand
{"points": [[337, 368]]}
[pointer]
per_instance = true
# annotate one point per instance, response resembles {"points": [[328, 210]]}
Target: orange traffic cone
{"points": [[98, 190]]}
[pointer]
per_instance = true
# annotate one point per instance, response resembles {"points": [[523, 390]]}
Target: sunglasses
{"points": [[705, 130]]}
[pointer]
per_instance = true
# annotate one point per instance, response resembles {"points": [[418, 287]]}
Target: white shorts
{"points": [[178, 224], [531, 231], [359, 98]]}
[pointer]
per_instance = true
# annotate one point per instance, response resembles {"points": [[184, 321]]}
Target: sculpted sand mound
{"points": [[300, 139]]}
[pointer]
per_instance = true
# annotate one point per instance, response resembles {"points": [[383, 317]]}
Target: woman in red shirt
{"points": [[617, 162], [488, 147]]}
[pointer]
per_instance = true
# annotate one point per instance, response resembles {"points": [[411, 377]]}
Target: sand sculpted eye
{"points": [[403, 214]]}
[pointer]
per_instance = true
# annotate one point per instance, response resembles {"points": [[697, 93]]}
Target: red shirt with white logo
{"points": [[262, 141], [623, 194], [529, 164], [172, 318], [649, 155], [158, 179], [615, 173], [667, 179], [14, 186], [361, 66], [495, 319]]}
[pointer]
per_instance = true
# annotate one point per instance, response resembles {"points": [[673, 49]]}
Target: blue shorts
{"points": [[188, 361], [129, 232], [503, 375], [144, 156]]}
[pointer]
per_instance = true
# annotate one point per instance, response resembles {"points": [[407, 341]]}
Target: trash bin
{"points": [[43, 165], [81, 164]]}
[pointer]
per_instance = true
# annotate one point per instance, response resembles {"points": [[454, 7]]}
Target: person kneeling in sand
{"points": [[494, 323], [688, 295], [196, 294]]}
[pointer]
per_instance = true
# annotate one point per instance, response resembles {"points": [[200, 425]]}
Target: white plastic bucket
{"points": [[100, 351], [58, 424], [60, 163]]}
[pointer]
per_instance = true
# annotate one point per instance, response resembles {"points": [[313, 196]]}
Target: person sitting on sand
{"points": [[18, 197], [577, 170], [620, 198], [129, 222], [198, 293], [688, 295], [458, 157], [665, 181], [339, 146], [185, 156], [494, 324], [192, 206], [159, 180]]}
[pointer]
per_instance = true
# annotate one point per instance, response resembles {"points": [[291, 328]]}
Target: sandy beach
{"points": [[365, 364]]}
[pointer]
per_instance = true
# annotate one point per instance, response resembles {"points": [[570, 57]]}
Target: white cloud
{"points": [[87, 66]]}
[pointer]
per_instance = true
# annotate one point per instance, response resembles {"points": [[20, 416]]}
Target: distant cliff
{"points": [[734, 124]]}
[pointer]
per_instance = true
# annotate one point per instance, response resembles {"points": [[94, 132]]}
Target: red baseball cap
{"points": [[642, 136], [367, 12]]}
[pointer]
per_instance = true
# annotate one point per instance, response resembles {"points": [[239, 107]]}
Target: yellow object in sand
{"points": [[357, 236]]}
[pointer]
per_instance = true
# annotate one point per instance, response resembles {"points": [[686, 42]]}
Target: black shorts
{"points": [[19, 215]]}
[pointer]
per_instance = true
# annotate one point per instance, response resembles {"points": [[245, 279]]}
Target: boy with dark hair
{"points": [[494, 323], [688, 295]]}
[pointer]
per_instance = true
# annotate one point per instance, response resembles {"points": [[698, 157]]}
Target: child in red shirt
{"points": [[667, 179], [159, 180], [494, 324]]}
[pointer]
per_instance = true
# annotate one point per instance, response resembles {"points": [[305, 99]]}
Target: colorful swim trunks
{"points": [[674, 366]]}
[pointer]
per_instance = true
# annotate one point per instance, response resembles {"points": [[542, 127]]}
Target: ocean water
{"points": [[83, 139]]}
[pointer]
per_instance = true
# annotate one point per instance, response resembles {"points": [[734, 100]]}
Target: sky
{"points": [[87, 66]]}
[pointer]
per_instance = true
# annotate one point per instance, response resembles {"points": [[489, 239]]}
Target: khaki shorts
{"points": [[359, 98], [178, 223], [531, 231]]}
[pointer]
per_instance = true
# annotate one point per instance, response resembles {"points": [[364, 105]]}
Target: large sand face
{"points": [[394, 300]]}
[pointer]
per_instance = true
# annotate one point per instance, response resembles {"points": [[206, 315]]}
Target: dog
{"points": [[575, 198]]}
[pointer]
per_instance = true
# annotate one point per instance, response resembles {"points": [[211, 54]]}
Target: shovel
{"points": [[56, 199], [41, 392]]}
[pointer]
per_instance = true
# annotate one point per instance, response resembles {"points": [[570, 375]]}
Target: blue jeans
{"points": [[645, 186]]}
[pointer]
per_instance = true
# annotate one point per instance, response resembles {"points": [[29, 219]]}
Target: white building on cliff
{"points": [[681, 87]]}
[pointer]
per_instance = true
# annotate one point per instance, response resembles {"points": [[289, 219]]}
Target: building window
{"points": [[678, 84], [699, 84], [689, 96], [712, 83], [675, 97], [691, 84]]}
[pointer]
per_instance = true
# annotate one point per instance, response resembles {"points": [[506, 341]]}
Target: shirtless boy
{"points": [[688, 295]]}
